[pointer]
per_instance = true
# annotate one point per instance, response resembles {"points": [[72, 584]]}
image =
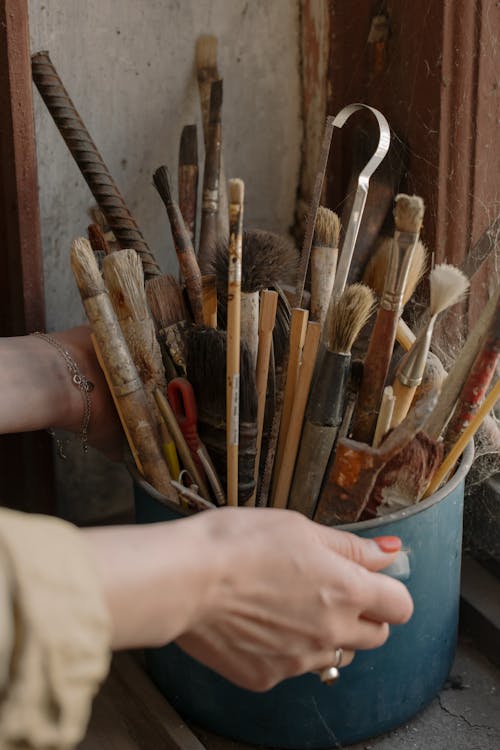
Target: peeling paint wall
{"points": [[129, 68]]}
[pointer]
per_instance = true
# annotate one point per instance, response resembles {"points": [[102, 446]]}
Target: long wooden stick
{"points": [[236, 197], [268, 305], [313, 334]]}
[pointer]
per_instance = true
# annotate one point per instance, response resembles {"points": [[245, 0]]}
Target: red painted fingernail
{"points": [[388, 544]]}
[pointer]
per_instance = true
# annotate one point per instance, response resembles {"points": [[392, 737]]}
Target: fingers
{"points": [[369, 553], [388, 601]]}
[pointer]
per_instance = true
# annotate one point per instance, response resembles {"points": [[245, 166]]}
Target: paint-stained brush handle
{"points": [[188, 178], [89, 161]]}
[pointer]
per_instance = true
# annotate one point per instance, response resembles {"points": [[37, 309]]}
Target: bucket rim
{"points": [[412, 510]]}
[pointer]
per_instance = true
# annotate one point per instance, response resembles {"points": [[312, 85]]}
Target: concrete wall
{"points": [[129, 68]]}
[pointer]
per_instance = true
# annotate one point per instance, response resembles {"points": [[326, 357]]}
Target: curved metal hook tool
{"points": [[361, 191]]}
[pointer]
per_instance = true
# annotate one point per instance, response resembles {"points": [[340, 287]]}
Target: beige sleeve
{"points": [[55, 633]]}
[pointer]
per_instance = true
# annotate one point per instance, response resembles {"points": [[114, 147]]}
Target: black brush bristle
{"points": [[188, 149], [161, 180]]}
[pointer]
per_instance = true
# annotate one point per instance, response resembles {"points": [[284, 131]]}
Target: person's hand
{"points": [[290, 593]]}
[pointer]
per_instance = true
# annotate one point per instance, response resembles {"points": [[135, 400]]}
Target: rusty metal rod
{"points": [[89, 161]]}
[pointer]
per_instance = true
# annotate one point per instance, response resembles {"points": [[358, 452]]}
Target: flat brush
{"points": [[376, 271], [206, 371], [324, 254], [166, 304], [448, 285], [121, 372], [323, 418], [356, 467], [89, 161], [187, 177], [183, 247], [408, 216], [207, 73], [211, 180], [268, 259]]}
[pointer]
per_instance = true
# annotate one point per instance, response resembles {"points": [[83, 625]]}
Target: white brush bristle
{"points": [[448, 285], [236, 191]]}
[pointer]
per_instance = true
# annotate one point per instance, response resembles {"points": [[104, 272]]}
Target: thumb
{"points": [[373, 554]]}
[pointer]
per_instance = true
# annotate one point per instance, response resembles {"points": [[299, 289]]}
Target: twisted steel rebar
{"points": [[90, 162]]}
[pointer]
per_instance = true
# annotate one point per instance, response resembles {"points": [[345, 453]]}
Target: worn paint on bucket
{"points": [[382, 688]]}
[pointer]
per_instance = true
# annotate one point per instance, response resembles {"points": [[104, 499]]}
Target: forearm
{"points": [[158, 579]]}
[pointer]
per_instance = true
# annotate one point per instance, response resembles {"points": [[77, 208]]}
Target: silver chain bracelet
{"points": [[84, 386]]}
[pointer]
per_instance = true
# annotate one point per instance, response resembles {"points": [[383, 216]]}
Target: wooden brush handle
{"points": [[404, 335], [268, 306], [403, 395], [384, 416], [475, 387], [129, 392], [461, 368], [188, 263], [250, 323], [323, 267], [90, 162], [375, 371], [298, 328], [210, 198], [188, 187], [323, 419], [285, 475], [469, 432]]}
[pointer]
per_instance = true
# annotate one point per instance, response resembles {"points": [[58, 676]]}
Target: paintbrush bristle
{"points": [[216, 90], [236, 190], [161, 179], [348, 314], [124, 278], [326, 228], [97, 240], [267, 259], [448, 285], [85, 269], [408, 213], [165, 300], [206, 55], [376, 269], [188, 149]]}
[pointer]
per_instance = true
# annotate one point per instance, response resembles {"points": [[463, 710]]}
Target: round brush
{"points": [[447, 286]]}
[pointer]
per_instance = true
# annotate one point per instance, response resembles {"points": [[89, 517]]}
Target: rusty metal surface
{"points": [[90, 162]]}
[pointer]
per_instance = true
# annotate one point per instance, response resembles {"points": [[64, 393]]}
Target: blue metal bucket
{"points": [[381, 689]]}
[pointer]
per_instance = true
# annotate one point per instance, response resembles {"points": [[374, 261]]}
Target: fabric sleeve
{"points": [[55, 633]]}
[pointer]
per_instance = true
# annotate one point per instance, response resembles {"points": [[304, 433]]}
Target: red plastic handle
{"points": [[181, 398]]}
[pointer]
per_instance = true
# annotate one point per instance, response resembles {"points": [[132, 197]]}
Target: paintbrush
{"points": [[124, 279], [285, 469], [376, 271], [187, 178], [461, 367], [89, 161], [353, 384], [207, 73], [267, 319], [349, 313], [356, 467], [476, 385], [448, 285], [268, 259], [457, 449], [324, 254], [211, 181], [206, 371], [384, 416], [236, 197], [121, 372], [403, 479], [183, 247], [168, 311], [408, 216]]}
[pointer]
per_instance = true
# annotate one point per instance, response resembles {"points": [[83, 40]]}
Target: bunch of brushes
{"points": [[234, 384]]}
